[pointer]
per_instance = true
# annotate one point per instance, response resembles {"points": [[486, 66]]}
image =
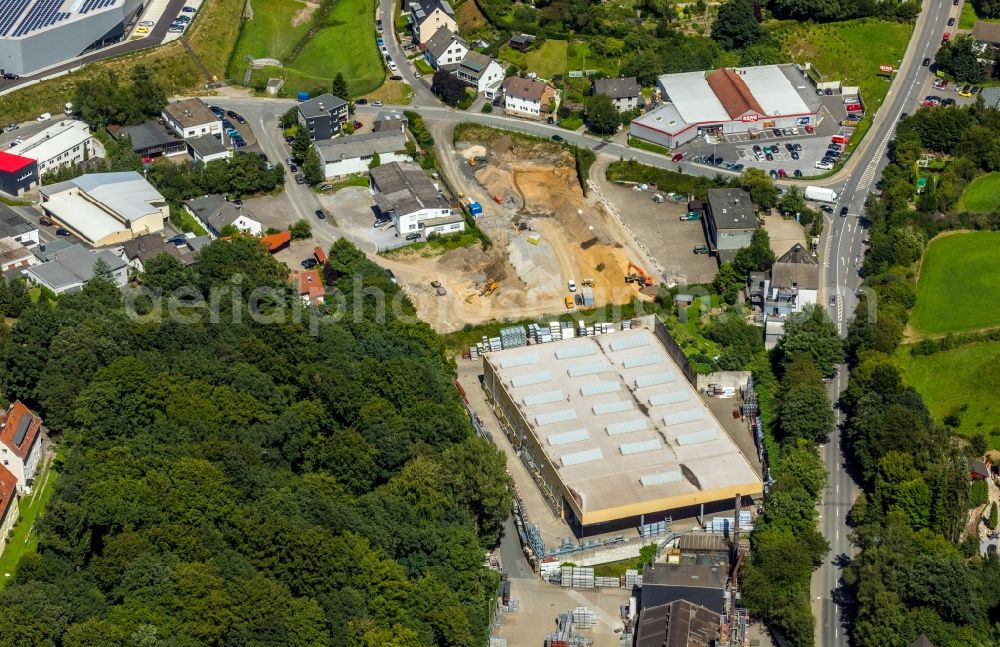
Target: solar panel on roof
{"points": [[518, 360], [636, 362], [641, 447], [661, 478], [587, 369], [577, 458], [626, 427], [602, 408], [576, 350], [568, 437], [544, 397], [22, 430], [630, 342], [696, 437], [672, 397], [552, 417], [9, 13], [681, 417], [652, 379], [530, 379], [597, 388]]}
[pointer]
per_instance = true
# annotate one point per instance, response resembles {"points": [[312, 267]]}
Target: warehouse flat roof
{"points": [[693, 96], [779, 89], [621, 426]]}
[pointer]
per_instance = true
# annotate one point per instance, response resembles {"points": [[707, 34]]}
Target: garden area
{"points": [[314, 43], [23, 540], [558, 57], [959, 286], [982, 195], [959, 387]]}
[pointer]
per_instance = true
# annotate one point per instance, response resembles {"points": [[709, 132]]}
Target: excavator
{"points": [[639, 276], [489, 288]]}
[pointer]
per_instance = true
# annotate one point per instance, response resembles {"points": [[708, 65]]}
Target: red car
{"points": [[357, 124], [810, 129], [678, 157], [946, 37]]}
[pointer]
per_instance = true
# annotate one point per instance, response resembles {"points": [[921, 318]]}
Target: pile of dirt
{"points": [[303, 15]]}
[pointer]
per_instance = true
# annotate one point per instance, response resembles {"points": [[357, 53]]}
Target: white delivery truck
{"points": [[821, 194]]}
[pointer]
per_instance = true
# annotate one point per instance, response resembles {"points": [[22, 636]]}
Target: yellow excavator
{"points": [[489, 288]]}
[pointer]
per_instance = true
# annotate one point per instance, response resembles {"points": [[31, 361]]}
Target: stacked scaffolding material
{"points": [[495, 344], [583, 618], [498, 641], [535, 539], [474, 352], [555, 330], [565, 634], [513, 337], [577, 577], [654, 529], [607, 582], [632, 579], [725, 524]]}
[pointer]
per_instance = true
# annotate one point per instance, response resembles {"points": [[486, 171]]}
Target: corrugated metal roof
{"points": [[568, 437], [626, 427], [577, 458], [602, 408], [552, 417]]}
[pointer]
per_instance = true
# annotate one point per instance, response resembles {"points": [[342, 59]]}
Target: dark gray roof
{"points": [[206, 145], [522, 39], [623, 88], [22, 429], [922, 641], [732, 209], [474, 64], [12, 223], [148, 246], [405, 188], [702, 541], [73, 265], [677, 624], [321, 106], [148, 134], [796, 268], [423, 8], [362, 145], [986, 32], [441, 41], [216, 211]]}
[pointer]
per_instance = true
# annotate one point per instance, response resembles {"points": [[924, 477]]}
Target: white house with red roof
{"points": [[17, 173], [8, 505], [20, 444]]}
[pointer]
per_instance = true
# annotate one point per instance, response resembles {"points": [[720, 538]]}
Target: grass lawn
{"points": [[424, 67], [558, 57], [983, 194], [356, 180], [967, 376], [214, 33], [435, 246], [269, 35], [969, 17], [345, 44], [185, 222], [23, 539], [849, 51], [959, 287], [392, 92]]}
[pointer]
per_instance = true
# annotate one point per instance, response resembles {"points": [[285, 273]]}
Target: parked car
{"points": [[770, 158], [189, 10], [797, 173], [361, 102], [321, 214], [357, 124], [833, 301], [823, 166], [677, 157], [395, 77], [756, 148], [948, 102], [810, 129], [388, 273], [217, 111], [147, 23], [183, 19], [293, 168], [309, 263], [300, 179], [738, 167], [927, 62], [558, 138], [10, 127], [142, 30], [795, 155], [416, 74], [571, 285], [377, 104], [700, 249], [826, 208], [414, 235], [62, 232], [951, 22], [966, 91], [179, 239], [773, 174]]}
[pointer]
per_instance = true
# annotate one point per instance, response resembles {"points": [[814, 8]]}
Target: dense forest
{"points": [[913, 575], [242, 483]]}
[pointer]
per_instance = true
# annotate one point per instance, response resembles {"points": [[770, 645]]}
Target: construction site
{"points": [[547, 239]]}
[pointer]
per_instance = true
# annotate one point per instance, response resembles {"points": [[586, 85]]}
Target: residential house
{"points": [[69, 268], [527, 97], [729, 222], [191, 117], [677, 624], [445, 49], [106, 208], [322, 116], [67, 142], [987, 37], [215, 213], [20, 444], [138, 250], [389, 120], [14, 255], [481, 72], [427, 16], [14, 225], [207, 148], [9, 511], [353, 153], [624, 92], [758, 289], [17, 173], [404, 194], [794, 282], [308, 284], [521, 42], [150, 139]]}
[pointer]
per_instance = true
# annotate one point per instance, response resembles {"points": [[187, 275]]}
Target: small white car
{"points": [[824, 166], [571, 284]]}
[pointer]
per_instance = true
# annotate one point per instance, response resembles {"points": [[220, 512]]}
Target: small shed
{"points": [[683, 300], [521, 42], [978, 470]]}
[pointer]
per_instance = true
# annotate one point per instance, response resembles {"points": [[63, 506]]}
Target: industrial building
{"points": [[17, 173], [191, 118], [354, 153], [67, 142], [728, 101], [677, 624], [615, 431], [730, 221], [37, 34]]}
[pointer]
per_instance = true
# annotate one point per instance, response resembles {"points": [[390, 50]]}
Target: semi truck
{"points": [[821, 194]]}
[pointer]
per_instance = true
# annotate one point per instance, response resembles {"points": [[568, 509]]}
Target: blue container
{"points": [[303, 96]]}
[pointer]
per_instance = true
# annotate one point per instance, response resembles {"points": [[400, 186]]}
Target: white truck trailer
{"points": [[821, 194]]}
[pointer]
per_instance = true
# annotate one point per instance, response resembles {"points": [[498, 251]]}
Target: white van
{"points": [[45, 116]]}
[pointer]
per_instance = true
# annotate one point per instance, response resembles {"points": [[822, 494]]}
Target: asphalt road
{"points": [[844, 247], [421, 91], [155, 37]]}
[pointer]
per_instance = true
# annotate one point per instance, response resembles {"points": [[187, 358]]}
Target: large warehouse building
{"points": [[728, 101], [36, 34], [615, 430]]}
